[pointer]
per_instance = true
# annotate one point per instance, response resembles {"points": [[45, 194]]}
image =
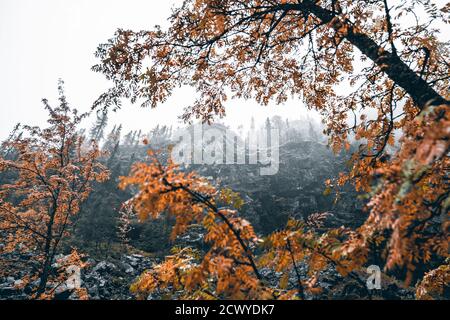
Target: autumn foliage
{"points": [[231, 268], [228, 269], [396, 108], [52, 172], [376, 72]]}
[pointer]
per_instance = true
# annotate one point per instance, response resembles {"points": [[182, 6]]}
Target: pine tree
{"points": [[98, 129]]}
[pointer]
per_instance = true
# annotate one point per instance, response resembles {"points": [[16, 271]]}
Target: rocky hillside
{"points": [[297, 190]]}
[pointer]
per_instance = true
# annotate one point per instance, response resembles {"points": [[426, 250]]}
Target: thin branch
{"points": [[301, 290], [389, 27]]}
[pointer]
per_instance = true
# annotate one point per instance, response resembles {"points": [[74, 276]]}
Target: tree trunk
{"points": [[398, 71], [44, 276], [48, 256]]}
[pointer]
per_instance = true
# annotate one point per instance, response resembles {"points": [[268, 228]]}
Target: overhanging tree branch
{"points": [[419, 90]]}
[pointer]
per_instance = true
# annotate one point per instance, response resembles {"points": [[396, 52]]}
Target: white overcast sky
{"points": [[44, 40]]}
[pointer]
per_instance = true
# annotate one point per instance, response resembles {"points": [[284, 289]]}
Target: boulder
{"points": [[104, 266], [7, 292]]}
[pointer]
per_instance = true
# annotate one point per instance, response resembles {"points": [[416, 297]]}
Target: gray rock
{"points": [[134, 259], [8, 292], [91, 262], [18, 283], [104, 266], [10, 280], [128, 269], [61, 289]]}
